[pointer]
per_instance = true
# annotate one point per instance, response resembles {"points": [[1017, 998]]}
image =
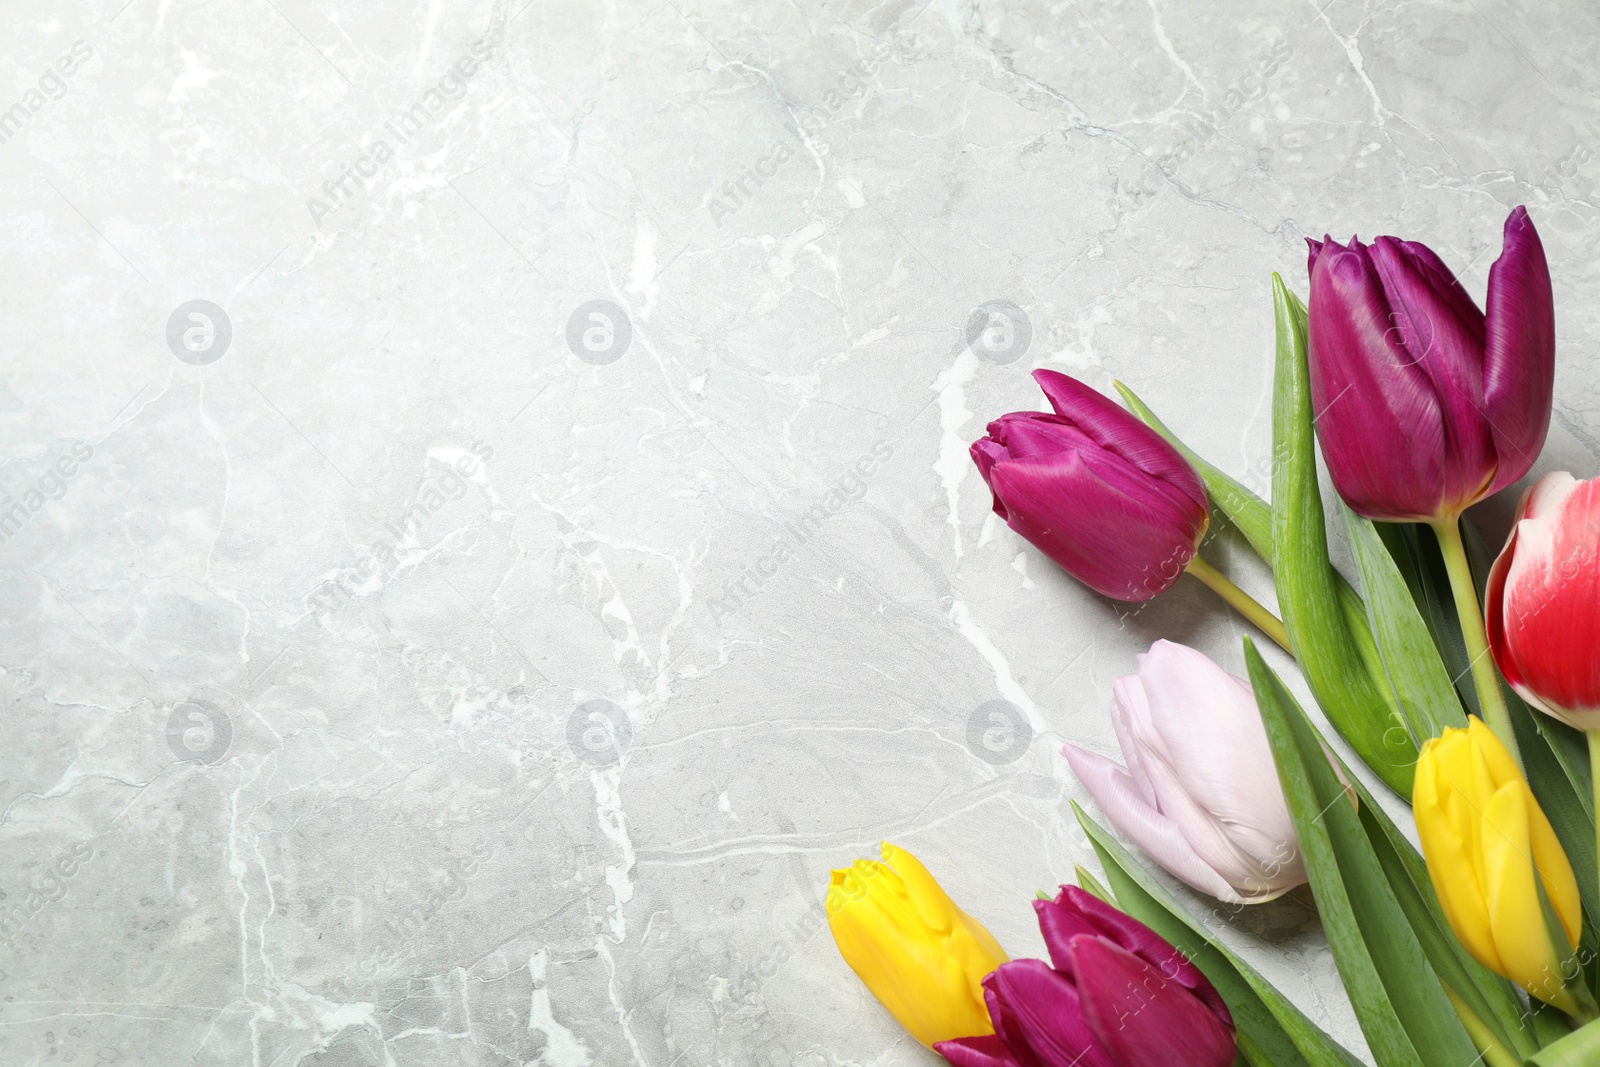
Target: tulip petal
{"points": [[1118, 431], [985, 453], [1494, 604], [1123, 546], [1377, 415], [1155, 834], [919, 954], [1515, 914], [1027, 434], [1446, 288], [1519, 350], [986, 1051], [1555, 872], [1214, 751], [1142, 1019], [1075, 913], [1442, 331], [1043, 1015], [1006, 1026], [1130, 720], [1542, 608], [1447, 831]]}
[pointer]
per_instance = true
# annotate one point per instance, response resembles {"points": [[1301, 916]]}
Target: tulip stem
{"points": [[1484, 676], [1594, 772], [1242, 602]]}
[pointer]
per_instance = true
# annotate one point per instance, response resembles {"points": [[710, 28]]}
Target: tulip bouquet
{"points": [[1464, 684]]}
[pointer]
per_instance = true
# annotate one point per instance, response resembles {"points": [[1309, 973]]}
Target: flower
{"points": [[1426, 405], [1095, 489], [922, 957], [1200, 794], [1494, 861], [1542, 605], [1118, 996]]}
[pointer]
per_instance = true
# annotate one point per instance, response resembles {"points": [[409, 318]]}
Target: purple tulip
{"points": [[1095, 489], [1118, 996], [1425, 405]]}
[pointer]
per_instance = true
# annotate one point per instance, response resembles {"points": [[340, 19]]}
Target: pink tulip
{"points": [[1542, 608], [1095, 489], [1118, 996], [1425, 405], [1199, 795]]}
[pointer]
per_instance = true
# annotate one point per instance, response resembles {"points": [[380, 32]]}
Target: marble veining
{"points": [[485, 521]]}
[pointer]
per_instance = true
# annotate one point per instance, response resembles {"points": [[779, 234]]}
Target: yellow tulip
{"points": [[1496, 864], [922, 957]]}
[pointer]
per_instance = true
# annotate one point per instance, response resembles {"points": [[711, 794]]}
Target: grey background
{"points": [[297, 762]]}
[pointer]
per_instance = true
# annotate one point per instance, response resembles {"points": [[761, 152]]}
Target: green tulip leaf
{"points": [[1330, 656], [1090, 884], [1403, 1010], [1421, 683], [1272, 1031], [1242, 507], [1579, 1048]]}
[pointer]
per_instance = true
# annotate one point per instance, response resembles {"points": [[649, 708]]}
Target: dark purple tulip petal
{"points": [[1075, 913], [1096, 490], [1033, 434], [986, 1051], [1423, 404], [985, 453], [1119, 432], [1444, 283], [1043, 1017], [1126, 546], [1519, 350], [1445, 341], [1143, 1019], [1006, 1028], [1313, 250], [1376, 413]]}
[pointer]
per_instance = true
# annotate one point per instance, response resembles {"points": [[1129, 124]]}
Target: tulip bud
{"points": [[1096, 490], [1200, 795], [1118, 996], [1425, 405], [1497, 866], [1542, 604], [922, 957]]}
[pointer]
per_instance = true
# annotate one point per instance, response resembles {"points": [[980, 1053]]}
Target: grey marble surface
{"points": [[398, 660]]}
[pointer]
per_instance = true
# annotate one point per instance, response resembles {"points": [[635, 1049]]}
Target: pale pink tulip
{"points": [[1200, 794]]}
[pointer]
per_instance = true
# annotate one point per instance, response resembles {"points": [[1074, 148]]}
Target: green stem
{"points": [[1495, 714], [1594, 772], [1242, 602], [1494, 1053]]}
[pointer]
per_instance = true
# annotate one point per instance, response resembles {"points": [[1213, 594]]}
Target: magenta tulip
{"points": [[1095, 489], [1118, 996], [1426, 405], [1543, 600]]}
